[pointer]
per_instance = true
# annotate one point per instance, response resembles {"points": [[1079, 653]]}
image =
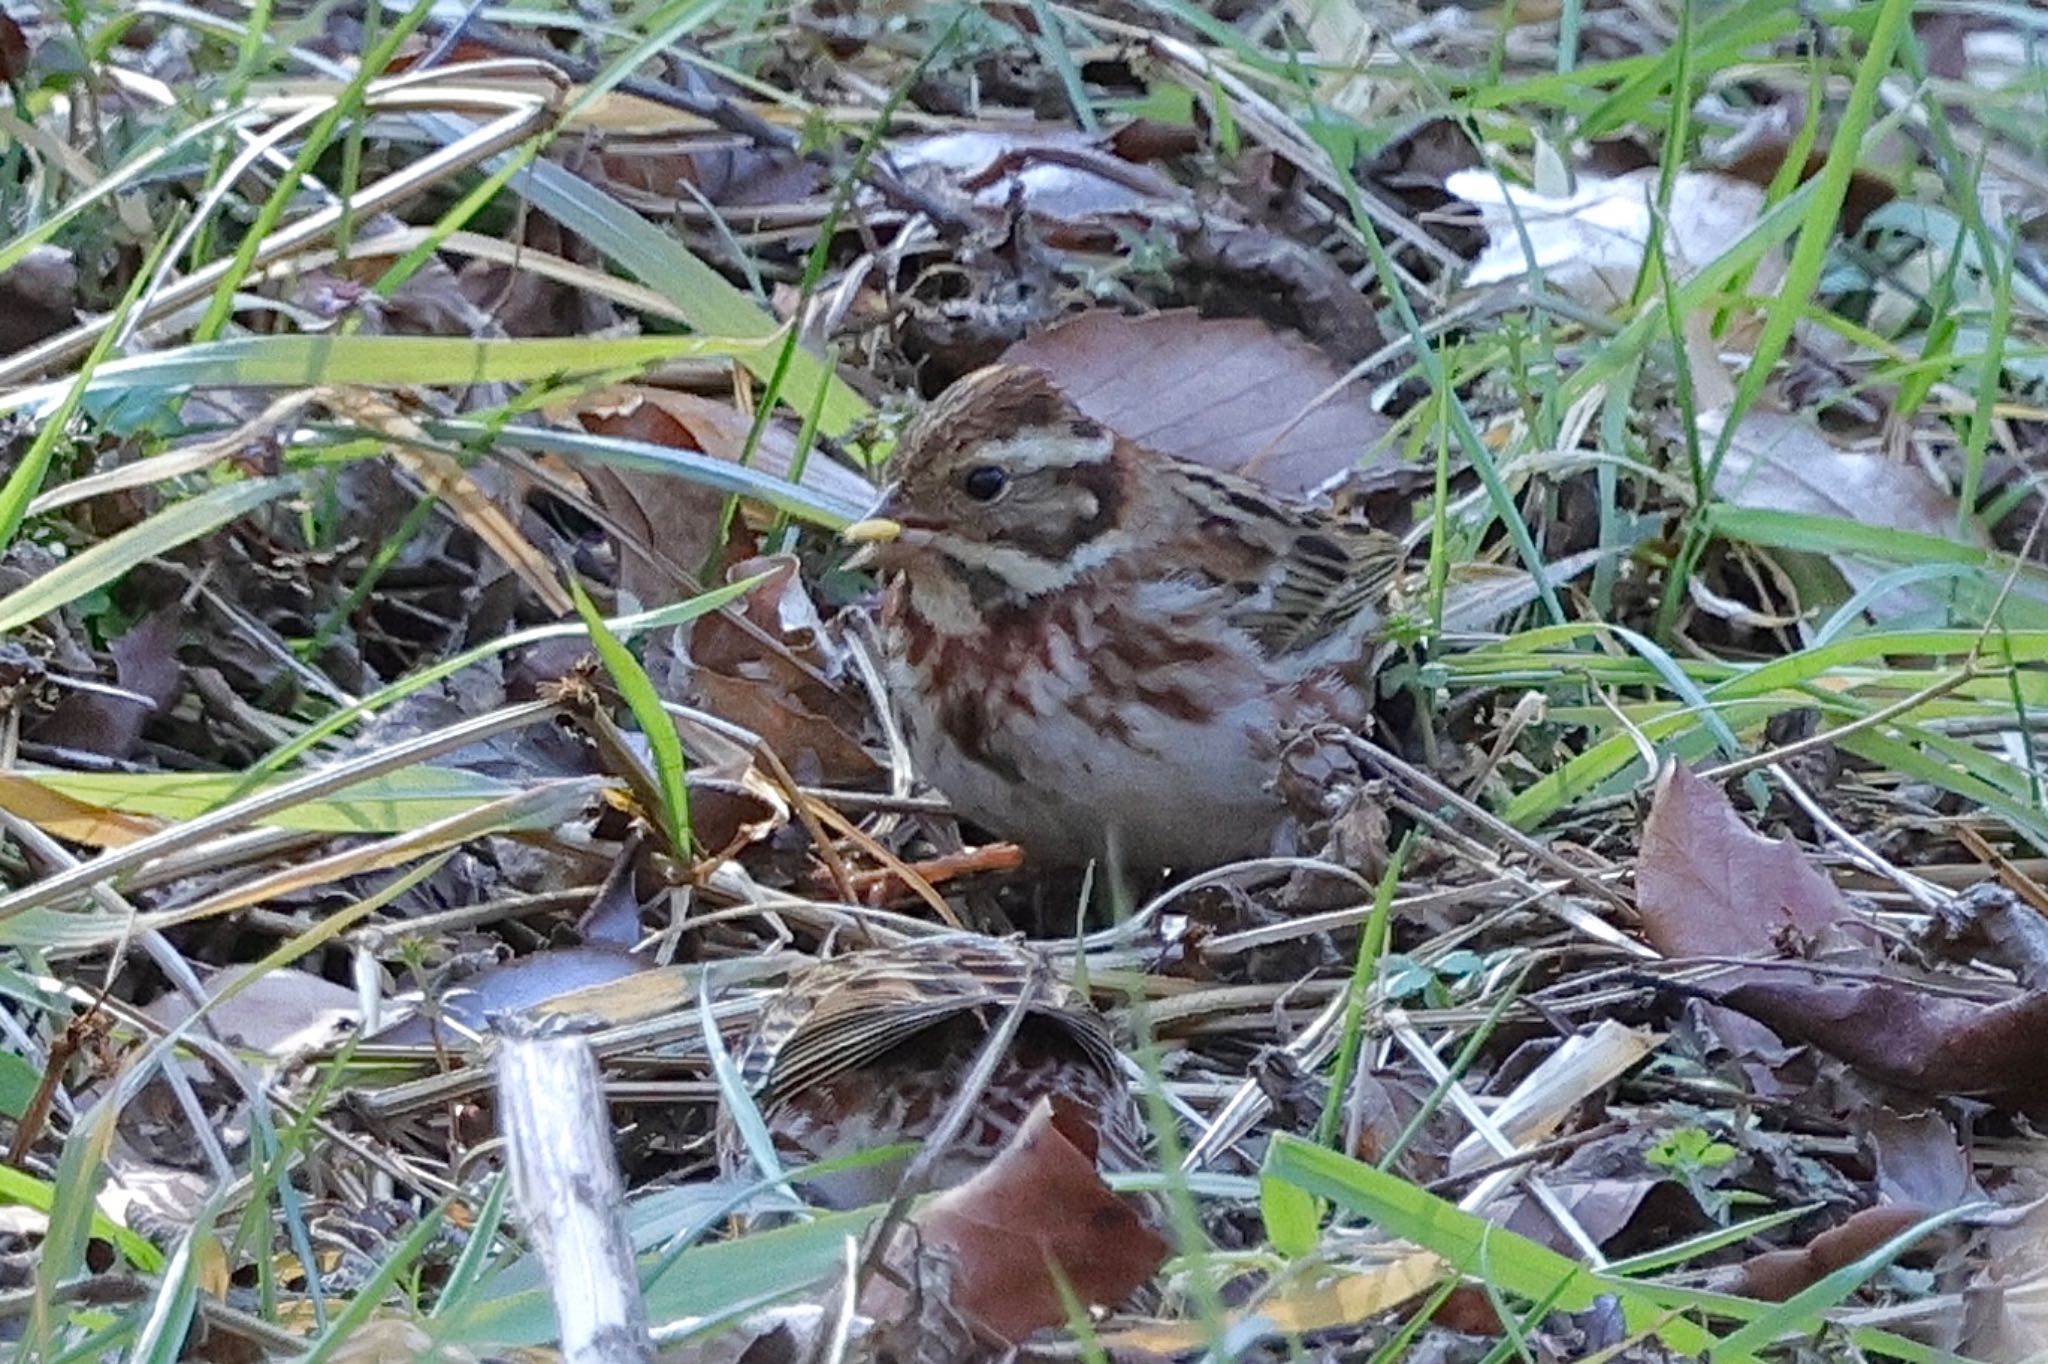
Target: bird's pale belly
{"points": [[1164, 794]]}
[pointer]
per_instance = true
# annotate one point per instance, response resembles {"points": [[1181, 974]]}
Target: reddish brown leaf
{"points": [[1778, 1274], [1468, 1308], [37, 296], [789, 698], [1901, 1032], [1761, 162], [1709, 885], [1229, 393], [1039, 1204]]}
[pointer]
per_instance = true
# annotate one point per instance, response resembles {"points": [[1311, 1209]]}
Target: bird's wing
{"points": [[851, 1011], [1315, 578]]}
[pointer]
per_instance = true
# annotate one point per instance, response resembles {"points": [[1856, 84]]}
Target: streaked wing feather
{"points": [[1320, 608], [1321, 579], [850, 1011]]}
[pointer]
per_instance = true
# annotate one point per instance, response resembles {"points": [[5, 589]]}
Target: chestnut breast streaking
{"points": [[1099, 650]]}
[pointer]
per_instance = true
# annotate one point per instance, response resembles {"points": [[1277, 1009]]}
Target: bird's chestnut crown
{"points": [[1002, 475]]}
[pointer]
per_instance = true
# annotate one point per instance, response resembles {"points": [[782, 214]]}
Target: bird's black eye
{"points": [[984, 482]]}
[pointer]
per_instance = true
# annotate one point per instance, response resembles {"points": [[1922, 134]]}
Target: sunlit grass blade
{"points": [[657, 259], [645, 702], [623, 627], [1517, 1265], [780, 494], [102, 563], [307, 361], [390, 803]]}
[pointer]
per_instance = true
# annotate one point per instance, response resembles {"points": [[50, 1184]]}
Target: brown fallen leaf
{"points": [[1779, 461], [1709, 885], [39, 294], [1245, 270], [1776, 1275], [795, 698], [1229, 393], [110, 723], [1989, 922], [1611, 1190], [1901, 1032], [14, 54], [1039, 1204], [1920, 1159]]}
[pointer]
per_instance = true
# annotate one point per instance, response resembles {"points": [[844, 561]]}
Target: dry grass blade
{"points": [[525, 119], [446, 479], [113, 863]]}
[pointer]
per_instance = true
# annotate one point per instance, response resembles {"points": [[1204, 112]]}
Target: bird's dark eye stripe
{"points": [[984, 482]]}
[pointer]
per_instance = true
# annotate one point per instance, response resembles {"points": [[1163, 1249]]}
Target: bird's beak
{"points": [[875, 530], [874, 533]]}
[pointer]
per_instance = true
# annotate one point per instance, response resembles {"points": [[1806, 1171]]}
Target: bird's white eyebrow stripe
{"points": [[1032, 451]]}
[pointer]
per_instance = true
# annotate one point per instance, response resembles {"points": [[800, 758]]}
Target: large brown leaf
{"points": [[1039, 1204], [1229, 393], [1709, 885]]}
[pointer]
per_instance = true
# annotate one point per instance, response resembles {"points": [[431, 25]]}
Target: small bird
{"points": [[1100, 651], [871, 1049]]}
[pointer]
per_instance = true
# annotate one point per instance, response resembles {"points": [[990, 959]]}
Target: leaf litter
{"points": [[1636, 1032]]}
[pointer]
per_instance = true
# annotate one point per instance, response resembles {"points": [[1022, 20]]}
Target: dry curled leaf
{"points": [[1778, 1274], [1900, 1032], [1920, 1158], [1076, 190], [508, 987], [793, 699]]}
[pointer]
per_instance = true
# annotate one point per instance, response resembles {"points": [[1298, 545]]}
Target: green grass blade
{"points": [[1515, 1264], [1801, 1314], [110, 558], [645, 702], [655, 258], [309, 361], [806, 504], [73, 1214]]}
